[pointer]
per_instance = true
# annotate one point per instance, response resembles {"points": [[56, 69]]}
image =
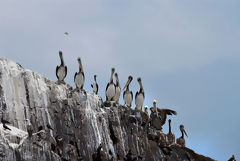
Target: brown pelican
{"points": [[139, 96], [232, 158], [95, 85], [118, 89], [127, 94], [29, 127], [162, 113], [181, 141], [111, 88], [79, 77], [170, 135], [146, 111], [61, 71]]}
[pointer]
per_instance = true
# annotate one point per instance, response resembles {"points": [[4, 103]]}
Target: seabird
{"points": [[162, 113], [66, 33], [146, 111], [170, 135], [232, 158], [29, 127], [127, 94], [139, 97], [118, 89], [61, 71], [95, 85], [79, 77], [111, 88], [181, 141]]}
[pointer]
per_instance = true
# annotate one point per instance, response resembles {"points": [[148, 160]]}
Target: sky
{"points": [[186, 52]]}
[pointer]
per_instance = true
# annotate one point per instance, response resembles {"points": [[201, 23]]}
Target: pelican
{"points": [[146, 111], [170, 135], [95, 85], [127, 94], [61, 71], [118, 89], [139, 96], [111, 88], [232, 158], [181, 141], [162, 112], [79, 77], [29, 127]]}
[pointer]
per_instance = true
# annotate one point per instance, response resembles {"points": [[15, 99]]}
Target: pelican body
{"points": [[29, 127], [118, 89], [95, 85], [170, 135], [111, 88], [181, 141], [79, 77], [140, 96], [162, 113], [127, 94], [61, 71]]}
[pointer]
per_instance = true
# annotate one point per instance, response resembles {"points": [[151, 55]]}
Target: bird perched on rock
{"points": [[170, 135], [79, 77], [139, 96], [61, 71], [181, 141], [162, 113], [118, 89], [232, 158], [111, 88], [127, 94]]}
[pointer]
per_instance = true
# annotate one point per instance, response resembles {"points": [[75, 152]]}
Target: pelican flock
{"points": [[113, 93]]}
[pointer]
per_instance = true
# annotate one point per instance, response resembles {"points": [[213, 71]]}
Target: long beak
{"points": [[126, 84], [61, 57], [185, 133], [80, 64]]}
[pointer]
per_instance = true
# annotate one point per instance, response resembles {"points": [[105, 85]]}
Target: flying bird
{"points": [[66, 33]]}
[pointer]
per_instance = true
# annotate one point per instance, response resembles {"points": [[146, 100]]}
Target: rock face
{"points": [[83, 128]]}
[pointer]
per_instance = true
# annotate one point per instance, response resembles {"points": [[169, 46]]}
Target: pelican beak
{"points": [[185, 133], [126, 84]]}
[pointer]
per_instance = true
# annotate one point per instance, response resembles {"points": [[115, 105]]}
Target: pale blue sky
{"points": [[187, 53]]}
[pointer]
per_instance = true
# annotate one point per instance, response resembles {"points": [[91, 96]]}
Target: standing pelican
{"points": [[170, 135], [139, 96], [118, 89], [111, 88], [181, 141], [162, 112], [29, 127], [127, 94], [95, 85], [79, 77], [61, 71]]}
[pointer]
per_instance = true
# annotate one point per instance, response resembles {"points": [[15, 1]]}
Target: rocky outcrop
{"points": [[83, 127]]}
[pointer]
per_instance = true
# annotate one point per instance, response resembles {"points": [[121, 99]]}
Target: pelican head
{"points": [[95, 77], [183, 130], [60, 53], [113, 70], [145, 108], [116, 75], [130, 78], [79, 59], [139, 79], [169, 121], [154, 102]]}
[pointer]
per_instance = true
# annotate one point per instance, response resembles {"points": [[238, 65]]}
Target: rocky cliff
{"points": [[73, 125]]}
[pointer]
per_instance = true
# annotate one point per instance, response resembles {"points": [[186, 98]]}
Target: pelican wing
{"points": [[169, 112]]}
